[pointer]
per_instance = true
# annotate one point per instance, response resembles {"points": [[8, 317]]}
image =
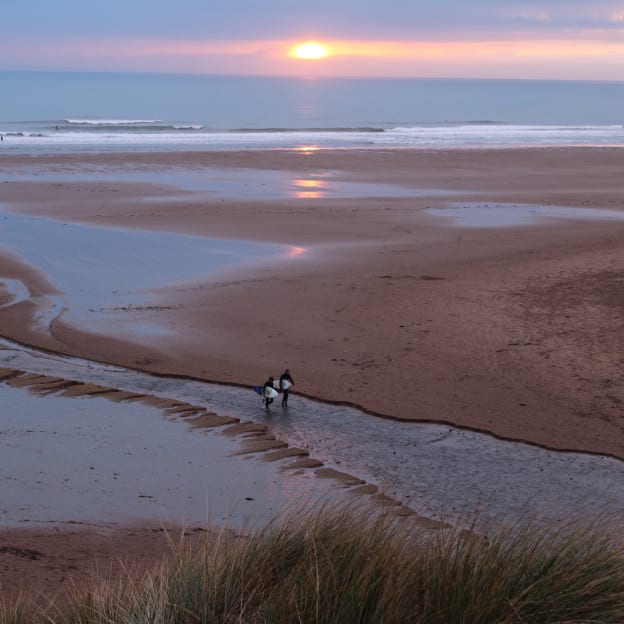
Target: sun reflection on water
{"points": [[306, 188], [295, 252], [307, 150]]}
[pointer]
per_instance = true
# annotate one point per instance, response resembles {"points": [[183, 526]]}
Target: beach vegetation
{"points": [[344, 567]]}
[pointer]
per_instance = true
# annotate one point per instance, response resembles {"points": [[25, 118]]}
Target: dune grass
{"points": [[345, 567]]}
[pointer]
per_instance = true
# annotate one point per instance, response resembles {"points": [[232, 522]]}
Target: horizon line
{"points": [[306, 77]]}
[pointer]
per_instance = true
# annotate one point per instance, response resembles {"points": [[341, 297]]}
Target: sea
{"points": [[43, 112]]}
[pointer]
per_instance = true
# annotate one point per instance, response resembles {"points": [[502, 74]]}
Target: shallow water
{"points": [[495, 215], [229, 183], [90, 460], [103, 273], [15, 292], [440, 471]]}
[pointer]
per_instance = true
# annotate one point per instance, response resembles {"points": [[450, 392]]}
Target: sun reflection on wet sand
{"points": [[314, 188], [295, 252], [307, 150]]}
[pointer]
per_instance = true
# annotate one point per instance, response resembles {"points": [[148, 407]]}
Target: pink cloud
{"points": [[580, 54]]}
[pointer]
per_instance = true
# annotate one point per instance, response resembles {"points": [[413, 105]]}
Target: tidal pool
{"points": [[496, 215], [100, 271], [92, 461], [230, 183]]}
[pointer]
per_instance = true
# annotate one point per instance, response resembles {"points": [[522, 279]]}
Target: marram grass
{"points": [[345, 567]]}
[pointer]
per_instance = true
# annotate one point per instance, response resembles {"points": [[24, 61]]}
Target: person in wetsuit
{"points": [[285, 376], [267, 384]]}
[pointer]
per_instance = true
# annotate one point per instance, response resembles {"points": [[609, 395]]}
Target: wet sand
{"points": [[511, 330]]}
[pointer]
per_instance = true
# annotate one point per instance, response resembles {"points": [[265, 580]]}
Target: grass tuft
{"points": [[346, 567]]}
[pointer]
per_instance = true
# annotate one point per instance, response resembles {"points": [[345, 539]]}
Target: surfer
{"points": [[285, 387], [267, 390]]}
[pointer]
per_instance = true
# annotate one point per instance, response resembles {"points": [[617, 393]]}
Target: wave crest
{"points": [[111, 122]]}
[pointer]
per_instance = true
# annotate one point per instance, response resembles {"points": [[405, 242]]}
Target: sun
{"points": [[309, 51]]}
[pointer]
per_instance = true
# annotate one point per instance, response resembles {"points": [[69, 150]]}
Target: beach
{"points": [[479, 289], [514, 330]]}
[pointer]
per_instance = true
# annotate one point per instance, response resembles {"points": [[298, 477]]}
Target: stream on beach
{"points": [[441, 472]]}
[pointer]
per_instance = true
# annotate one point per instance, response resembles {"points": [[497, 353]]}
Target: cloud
{"points": [[248, 35], [600, 58]]}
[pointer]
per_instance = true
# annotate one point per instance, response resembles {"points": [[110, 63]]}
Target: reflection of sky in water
{"points": [[119, 463], [477, 215], [309, 188], [100, 269], [232, 183]]}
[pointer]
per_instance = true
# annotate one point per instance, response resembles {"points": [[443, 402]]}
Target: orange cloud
{"points": [[474, 49], [280, 49]]}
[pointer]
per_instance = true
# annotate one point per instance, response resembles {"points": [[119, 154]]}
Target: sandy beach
{"points": [[481, 289], [514, 330]]}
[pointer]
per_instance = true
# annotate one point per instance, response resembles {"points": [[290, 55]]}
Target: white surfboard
{"points": [[270, 393], [281, 385]]}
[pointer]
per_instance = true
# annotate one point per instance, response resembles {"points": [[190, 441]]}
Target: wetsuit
{"points": [[285, 377], [267, 384]]}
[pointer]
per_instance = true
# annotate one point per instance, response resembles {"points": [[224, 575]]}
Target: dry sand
{"points": [[41, 562]]}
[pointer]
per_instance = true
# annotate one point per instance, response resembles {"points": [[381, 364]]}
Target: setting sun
{"points": [[310, 50]]}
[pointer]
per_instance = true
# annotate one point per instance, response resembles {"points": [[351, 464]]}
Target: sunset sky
{"points": [[561, 39]]}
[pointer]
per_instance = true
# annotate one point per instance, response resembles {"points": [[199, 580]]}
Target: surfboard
{"points": [[281, 385], [270, 393]]}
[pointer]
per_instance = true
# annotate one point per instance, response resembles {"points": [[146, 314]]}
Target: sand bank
{"points": [[512, 330]]}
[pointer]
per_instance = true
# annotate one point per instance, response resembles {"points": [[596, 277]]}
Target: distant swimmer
{"points": [[286, 381]]}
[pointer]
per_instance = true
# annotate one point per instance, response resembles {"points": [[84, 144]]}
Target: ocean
{"points": [[65, 111]]}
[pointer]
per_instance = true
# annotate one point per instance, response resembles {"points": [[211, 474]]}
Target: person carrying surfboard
{"points": [[268, 392], [285, 382]]}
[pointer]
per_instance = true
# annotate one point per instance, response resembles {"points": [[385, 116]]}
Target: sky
{"points": [[538, 39]]}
